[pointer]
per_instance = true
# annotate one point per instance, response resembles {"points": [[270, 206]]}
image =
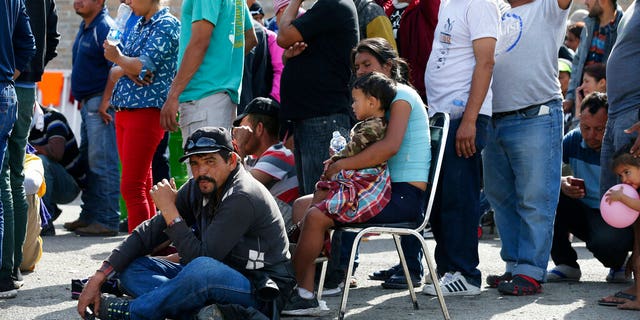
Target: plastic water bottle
{"points": [[338, 142], [115, 34]]}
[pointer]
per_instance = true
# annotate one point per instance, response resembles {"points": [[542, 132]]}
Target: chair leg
{"points": [[407, 275], [434, 279], [345, 293], [323, 273]]}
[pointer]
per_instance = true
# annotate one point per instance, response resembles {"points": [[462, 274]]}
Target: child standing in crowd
{"points": [[350, 195], [627, 167]]}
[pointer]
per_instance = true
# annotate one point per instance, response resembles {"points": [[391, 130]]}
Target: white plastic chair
{"points": [[439, 128]]}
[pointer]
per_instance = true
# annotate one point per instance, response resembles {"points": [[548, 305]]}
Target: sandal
{"points": [[614, 303]]}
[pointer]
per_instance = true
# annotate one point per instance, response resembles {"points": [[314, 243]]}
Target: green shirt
{"points": [[221, 68]]}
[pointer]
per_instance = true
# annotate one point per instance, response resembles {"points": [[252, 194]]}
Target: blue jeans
{"points": [[100, 200], [522, 163], [456, 212], [164, 289], [311, 138], [614, 139], [61, 186], [608, 244], [8, 115]]}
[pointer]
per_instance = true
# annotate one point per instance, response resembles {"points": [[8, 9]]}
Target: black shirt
{"points": [[316, 82]]}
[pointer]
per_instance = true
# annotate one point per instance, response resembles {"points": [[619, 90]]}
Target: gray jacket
{"points": [[583, 50]]}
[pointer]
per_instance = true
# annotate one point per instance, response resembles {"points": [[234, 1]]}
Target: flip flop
{"points": [[620, 295]]}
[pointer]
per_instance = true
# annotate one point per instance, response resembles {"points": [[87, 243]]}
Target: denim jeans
{"points": [[608, 244], [614, 139], [61, 186], [522, 163], [14, 200], [311, 138], [456, 212], [100, 200], [163, 289], [8, 115]]}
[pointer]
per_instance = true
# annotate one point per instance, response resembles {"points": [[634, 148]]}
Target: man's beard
{"points": [[207, 179]]}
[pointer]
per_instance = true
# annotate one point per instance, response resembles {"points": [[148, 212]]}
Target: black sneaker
{"points": [[48, 231], [113, 308], [383, 275], [7, 288], [124, 225], [16, 276], [299, 306], [520, 285], [494, 280]]}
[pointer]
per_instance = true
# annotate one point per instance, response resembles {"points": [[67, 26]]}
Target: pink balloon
{"points": [[617, 214]]}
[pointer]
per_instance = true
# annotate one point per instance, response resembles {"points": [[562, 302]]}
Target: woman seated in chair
{"points": [[405, 147]]}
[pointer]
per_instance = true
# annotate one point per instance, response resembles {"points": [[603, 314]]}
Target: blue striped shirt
{"points": [[155, 43], [585, 163]]}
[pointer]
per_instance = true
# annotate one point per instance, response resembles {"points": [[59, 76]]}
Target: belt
{"points": [[91, 96], [118, 109], [500, 115]]}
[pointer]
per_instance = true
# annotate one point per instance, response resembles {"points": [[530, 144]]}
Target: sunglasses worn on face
{"points": [[205, 142]]}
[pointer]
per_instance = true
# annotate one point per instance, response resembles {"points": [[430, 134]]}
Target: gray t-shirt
{"points": [[623, 81], [526, 68]]}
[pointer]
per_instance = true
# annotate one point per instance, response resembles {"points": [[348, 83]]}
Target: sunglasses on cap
{"points": [[205, 142]]}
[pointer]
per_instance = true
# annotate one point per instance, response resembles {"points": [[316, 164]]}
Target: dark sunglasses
{"points": [[205, 142]]}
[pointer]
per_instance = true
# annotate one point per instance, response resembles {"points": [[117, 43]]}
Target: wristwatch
{"points": [[174, 221]]}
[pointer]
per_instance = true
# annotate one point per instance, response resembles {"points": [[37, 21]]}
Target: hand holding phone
{"points": [[577, 182]]}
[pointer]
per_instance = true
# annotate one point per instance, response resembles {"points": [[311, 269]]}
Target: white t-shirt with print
{"points": [[452, 61]]}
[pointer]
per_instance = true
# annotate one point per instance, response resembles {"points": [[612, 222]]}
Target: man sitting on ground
{"points": [[64, 173], [229, 235], [269, 161]]}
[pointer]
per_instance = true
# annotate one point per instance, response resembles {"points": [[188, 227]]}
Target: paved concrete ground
{"points": [[46, 293]]}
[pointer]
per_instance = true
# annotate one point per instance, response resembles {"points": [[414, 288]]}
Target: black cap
{"points": [[207, 140], [256, 8], [260, 105]]}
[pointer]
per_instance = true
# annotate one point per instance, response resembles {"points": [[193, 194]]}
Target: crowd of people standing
{"points": [[259, 101]]}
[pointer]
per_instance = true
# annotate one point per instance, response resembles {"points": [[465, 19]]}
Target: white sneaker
{"points": [[453, 284]]}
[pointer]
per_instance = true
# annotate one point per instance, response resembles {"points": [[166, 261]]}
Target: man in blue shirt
{"points": [[100, 210], [17, 47], [578, 208]]}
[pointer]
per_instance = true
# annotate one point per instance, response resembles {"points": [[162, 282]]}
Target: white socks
{"points": [[305, 294]]}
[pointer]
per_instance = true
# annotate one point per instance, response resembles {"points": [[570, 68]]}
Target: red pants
{"points": [[138, 133]]}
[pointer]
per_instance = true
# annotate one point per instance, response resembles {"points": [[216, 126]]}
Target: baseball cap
{"points": [[256, 8], [564, 65], [259, 105], [207, 140]]}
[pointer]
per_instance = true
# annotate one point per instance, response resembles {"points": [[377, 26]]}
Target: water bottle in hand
{"points": [[115, 34], [338, 142]]}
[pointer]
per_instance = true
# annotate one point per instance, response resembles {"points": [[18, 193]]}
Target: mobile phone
{"points": [[578, 183]]}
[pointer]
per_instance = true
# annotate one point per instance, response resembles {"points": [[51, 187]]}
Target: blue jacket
{"points": [[17, 45], [583, 50]]}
